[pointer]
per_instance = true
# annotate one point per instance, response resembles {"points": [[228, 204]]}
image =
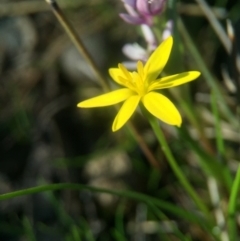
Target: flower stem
{"points": [[172, 162], [232, 207]]}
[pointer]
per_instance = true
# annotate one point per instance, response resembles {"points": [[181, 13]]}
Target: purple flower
{"points": [[142, 11]]}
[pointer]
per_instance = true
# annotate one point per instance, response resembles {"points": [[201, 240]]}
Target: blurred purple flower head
{"points": [[142, 11]]}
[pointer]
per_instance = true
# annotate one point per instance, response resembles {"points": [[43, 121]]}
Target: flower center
{"points": [[138, 83], [135, 80]]}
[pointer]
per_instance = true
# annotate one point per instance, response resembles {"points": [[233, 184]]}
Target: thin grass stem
{"points": [[206, 73], [173, 163], [164, 205], [219, 138], [232, 208], [222, 35], [77, 41]]}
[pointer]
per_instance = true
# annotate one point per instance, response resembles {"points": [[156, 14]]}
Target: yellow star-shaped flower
{"points": [[141, 86]]}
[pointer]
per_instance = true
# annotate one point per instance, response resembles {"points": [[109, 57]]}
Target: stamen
{"points": [[140, 69], [125, 71], [138, 83], [128, 83]]}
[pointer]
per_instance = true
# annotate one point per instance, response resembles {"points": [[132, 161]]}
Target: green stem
{"points": [[232, 207], [218, 129], [176, 169]]}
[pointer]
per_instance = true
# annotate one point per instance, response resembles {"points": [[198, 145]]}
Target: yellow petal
{"points": [[174, 80], [126, 111], [115, 73], [162, 108], [158, 60], [110, 98]]}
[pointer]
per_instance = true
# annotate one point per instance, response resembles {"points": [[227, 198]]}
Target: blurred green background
{"points": [[46, 139]]}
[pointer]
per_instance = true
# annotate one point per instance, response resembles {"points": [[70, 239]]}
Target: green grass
{"points": [[66, 176]]}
